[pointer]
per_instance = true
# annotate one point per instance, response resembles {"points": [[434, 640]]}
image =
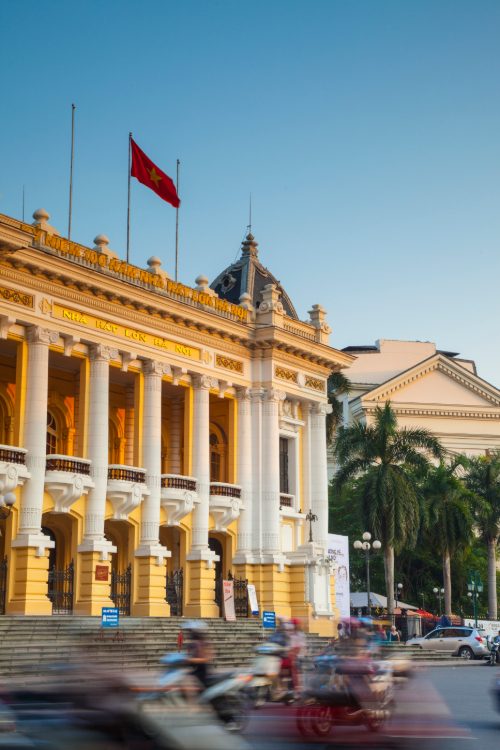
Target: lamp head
{"points": [[9, 499], [377, 544], [400, 586], [366, 536], [366, 545], [435, 590], [357, 544]]}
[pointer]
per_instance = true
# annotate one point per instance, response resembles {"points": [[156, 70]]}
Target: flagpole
{"points": [[71, 169], [177, 226], [23, 202], [128, 201]]}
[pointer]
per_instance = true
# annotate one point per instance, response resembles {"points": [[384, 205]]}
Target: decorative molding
{"points": [[283, 374], [453, 413], [384, 392], [228, 364], [18, 298], [315, 384]]}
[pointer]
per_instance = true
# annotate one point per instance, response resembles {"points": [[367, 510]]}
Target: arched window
{"points": [[52, 434], [218, 448], [113, 444], [214, 459]]}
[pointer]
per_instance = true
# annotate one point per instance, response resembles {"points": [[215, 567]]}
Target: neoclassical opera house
{"points": [[157, 438]]}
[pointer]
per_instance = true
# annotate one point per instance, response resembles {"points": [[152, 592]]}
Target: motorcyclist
{"points": [[199, 650], [495, 644]]}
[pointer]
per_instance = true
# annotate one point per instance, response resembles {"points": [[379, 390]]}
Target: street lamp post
{"points": [[311, 517], [439, 593], [365, 546], [397, 591], [475, 587]]}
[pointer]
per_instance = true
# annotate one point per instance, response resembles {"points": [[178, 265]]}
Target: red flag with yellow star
{"points": [[151, 176]]}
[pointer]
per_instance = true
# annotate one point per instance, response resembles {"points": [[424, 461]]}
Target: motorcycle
{"points": [[354, 693], [224, 692], [493, 657], [267, 682]]}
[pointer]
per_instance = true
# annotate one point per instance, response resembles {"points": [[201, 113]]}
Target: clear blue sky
{"points": [[367, 131]]}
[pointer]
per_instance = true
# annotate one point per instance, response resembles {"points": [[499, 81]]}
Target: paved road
{"points": [[440, 709]]}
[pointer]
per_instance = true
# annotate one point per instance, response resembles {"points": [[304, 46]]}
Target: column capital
{"points": [[272, 394], [243, 393], [153, 367], [321, 410], [39, 335], [204, 382], [257, 394], [102, 353]]}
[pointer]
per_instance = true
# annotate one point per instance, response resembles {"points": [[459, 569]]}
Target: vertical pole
{"points": [[23, 202], [128, 194], [368, 580], [71, 169], [177, 227]]}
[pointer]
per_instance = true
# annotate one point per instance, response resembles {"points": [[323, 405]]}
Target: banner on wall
{"points": [[338, 547], [228, 599]]}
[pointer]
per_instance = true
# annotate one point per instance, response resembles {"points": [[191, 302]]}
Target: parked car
{"points": [[468, 643]]}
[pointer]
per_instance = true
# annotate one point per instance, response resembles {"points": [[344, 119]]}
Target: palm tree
{"points": [[337, 385], [448, 515], [384, 459], [483, 479]]}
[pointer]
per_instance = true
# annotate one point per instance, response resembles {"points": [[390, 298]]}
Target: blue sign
{"points": [[269, 620], [110, 617]]}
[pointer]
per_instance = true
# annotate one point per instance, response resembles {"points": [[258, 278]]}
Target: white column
{"points": [[175, 432], [98, 428], [257, 396], [244, 478], [319, 473], [306, 456], [201, 465], [271, 473], [130, 423], [151, 451], [35, 431]]}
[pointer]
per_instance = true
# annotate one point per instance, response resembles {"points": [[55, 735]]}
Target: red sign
{"points": [[101, 573]]}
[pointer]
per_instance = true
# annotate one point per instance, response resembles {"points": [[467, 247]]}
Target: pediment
{"points": [[440, 381]]}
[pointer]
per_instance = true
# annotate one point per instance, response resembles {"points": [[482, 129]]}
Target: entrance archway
{"points": [[174, 539], [59, 527], [121, 535]]}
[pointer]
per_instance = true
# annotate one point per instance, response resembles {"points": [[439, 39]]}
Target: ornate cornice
{"points": [[383, 392]]}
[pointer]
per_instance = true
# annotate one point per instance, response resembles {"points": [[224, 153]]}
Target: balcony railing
{"points": [[11, 455], [177, 482], [225, 490], [127, 473], [68, 463], [286, 500]]}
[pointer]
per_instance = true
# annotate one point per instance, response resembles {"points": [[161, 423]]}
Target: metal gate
{"points": [[240, 588], [240, 595], [60, 591], [174, 591], [3, 585], [120, 590]]}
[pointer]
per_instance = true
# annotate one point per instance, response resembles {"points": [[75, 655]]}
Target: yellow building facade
{"points": [[156, 438]]}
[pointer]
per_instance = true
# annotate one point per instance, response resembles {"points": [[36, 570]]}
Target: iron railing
{"points": [[174, 592], [175, 482], [126, 474], [121, 590], [66, 463], [12, 455], [60, 590], [3, 584], [225, 490]]}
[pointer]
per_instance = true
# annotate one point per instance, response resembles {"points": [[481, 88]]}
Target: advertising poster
{"points": [[338, 547], [228, 597], [252, 599]]}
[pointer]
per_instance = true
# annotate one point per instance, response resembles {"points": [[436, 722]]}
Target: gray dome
{"points": [[249, 276]]}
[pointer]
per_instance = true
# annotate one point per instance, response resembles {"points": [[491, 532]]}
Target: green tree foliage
{"points": [[483, 479], [447, 516], [384, 461], [337, 385]]}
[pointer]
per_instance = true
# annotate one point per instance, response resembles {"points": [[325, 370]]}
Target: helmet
{"points": [[195, 626]]}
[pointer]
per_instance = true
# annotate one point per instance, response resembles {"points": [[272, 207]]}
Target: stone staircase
{"points": [[31, 645]]}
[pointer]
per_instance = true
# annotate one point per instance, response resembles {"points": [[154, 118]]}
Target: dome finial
{"points": [[249, 245]]}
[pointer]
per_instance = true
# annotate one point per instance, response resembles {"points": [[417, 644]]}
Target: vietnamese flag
{"points": [[151, 176]]}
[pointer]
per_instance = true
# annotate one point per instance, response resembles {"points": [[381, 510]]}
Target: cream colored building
{"points": [[428, 388], [156, 437]]}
